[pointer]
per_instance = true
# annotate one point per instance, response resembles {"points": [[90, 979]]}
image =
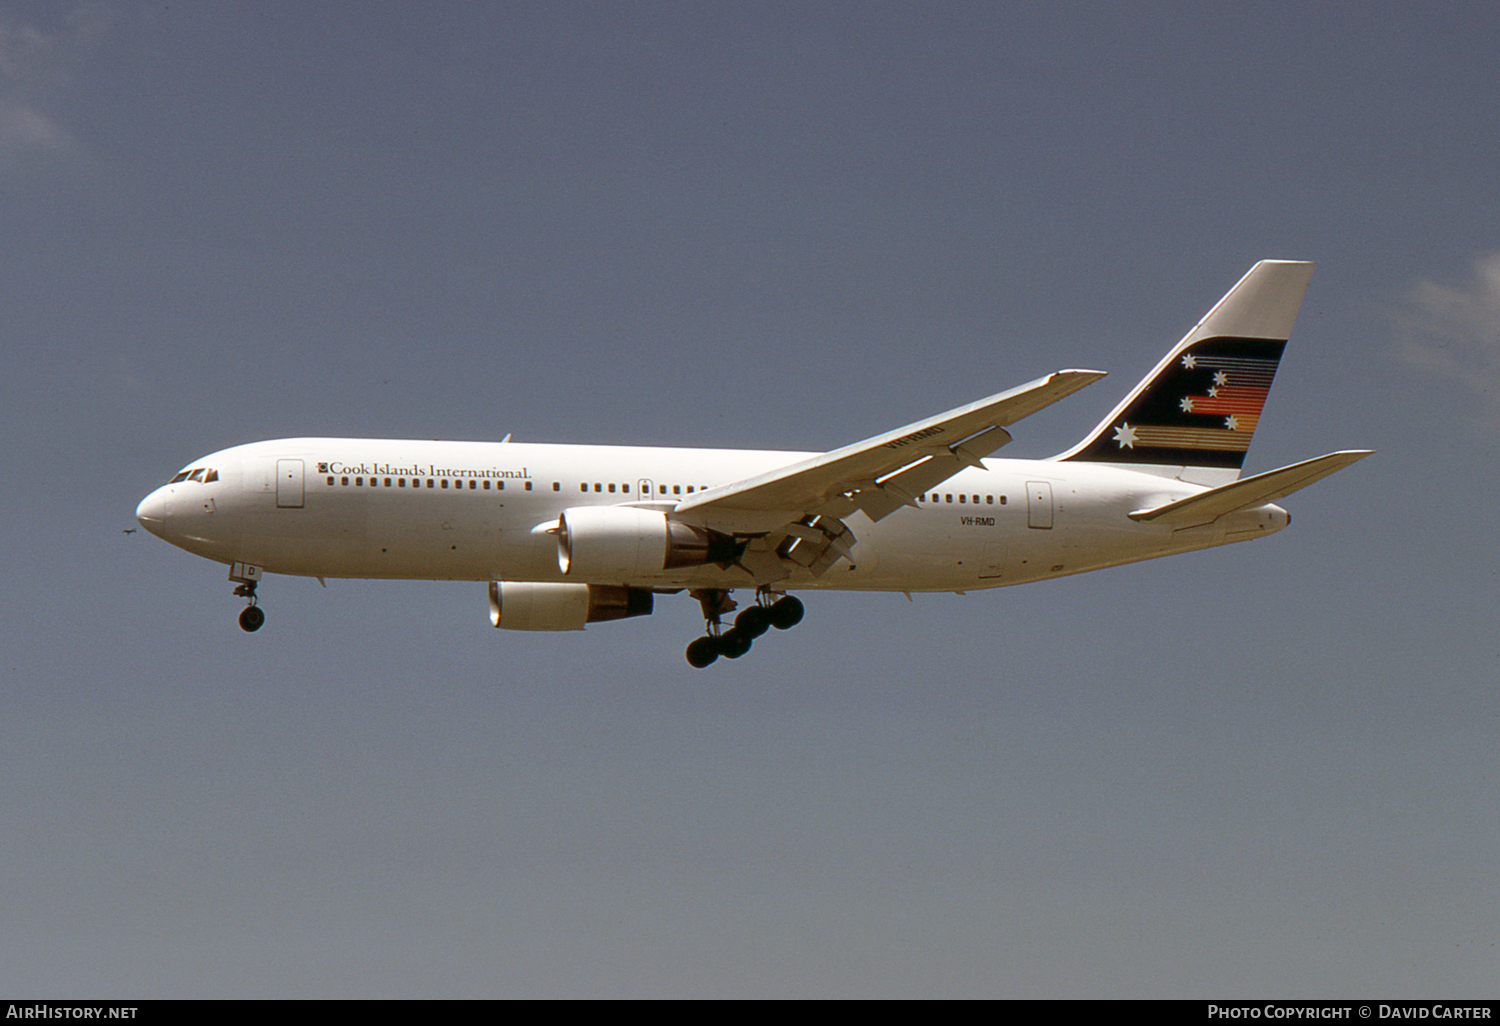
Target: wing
{"points": [[878, 475]]}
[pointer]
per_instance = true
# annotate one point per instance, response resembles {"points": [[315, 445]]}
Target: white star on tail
{"points": [[1125, 435]]}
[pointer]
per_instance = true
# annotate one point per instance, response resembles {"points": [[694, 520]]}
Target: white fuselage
{"points": [[487, 511]]}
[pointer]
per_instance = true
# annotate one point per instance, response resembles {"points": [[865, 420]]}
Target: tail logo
{"points": [[1201, 409]]}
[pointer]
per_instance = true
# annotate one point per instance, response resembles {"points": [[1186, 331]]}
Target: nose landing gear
{"points": [[248, 576], [783, 613], [251, 617]]}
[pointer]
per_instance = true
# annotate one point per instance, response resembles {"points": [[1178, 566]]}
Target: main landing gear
{"points": [[783, 613], [252, 616]]}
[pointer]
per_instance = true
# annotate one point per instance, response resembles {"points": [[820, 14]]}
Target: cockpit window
{"points": [[196, 475], [180, 477], [200, 474], [210, 475]]}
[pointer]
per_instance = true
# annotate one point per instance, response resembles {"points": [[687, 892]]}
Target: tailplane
{"points": [[1251, 491], [1199, 407]]}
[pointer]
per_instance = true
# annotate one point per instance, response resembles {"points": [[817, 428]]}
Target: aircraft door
{"points": [[644, 489], [289, 484], [1039, 505]]}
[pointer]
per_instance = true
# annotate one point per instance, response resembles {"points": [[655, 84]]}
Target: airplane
{"points": [[566, 535]]}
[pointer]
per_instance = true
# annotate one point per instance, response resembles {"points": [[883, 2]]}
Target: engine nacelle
{"points": [[536, 606], [604, 543]]}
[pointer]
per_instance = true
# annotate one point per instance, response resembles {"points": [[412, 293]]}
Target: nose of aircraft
{"points": [[152, 513]]}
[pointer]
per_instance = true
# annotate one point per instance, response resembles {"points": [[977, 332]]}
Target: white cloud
{"points": [[1454, 331], [37, 70], [27, 130]]}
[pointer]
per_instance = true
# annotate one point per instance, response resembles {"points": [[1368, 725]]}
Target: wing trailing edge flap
{"points": [[881, 474], [1252, 491]]}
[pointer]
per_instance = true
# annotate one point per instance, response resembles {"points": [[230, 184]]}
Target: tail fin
{"points": [[1199, 407]]}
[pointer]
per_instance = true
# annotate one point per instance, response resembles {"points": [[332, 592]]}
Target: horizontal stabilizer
{"points": [[1252, 491]]}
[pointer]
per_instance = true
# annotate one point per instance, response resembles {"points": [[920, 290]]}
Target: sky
{"points": [[1262, 770]]}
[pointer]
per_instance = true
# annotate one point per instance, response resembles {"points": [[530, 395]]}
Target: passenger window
{"points": [[598, 487], [961, 498], [528, 486], [387, 482], [989, 500], [344, 481], [330, 480], [400, 482], [473, 484], [557, 486], [690, 489], [625, 488], [445, 482], [950, 496], [611, 488], [677, 489]]}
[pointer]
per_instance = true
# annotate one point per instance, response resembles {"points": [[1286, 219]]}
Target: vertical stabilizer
{"points": [[1199, 407]]}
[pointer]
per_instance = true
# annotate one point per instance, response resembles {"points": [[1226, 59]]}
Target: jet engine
{"points": [[621, 542], [537, 606]]}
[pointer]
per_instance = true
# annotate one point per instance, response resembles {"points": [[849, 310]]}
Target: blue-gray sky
{"points": [[1267, 769]]}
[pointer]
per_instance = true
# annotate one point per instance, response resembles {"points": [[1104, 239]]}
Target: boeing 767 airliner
{"points": [[566, 535]]}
